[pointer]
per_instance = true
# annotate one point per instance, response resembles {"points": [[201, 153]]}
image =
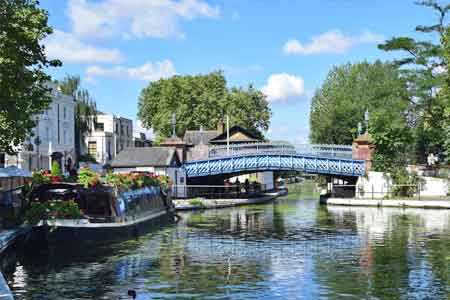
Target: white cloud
{"points": [[148, 71], [282, 87], [68, 48], [333, 41], [135, 18]]}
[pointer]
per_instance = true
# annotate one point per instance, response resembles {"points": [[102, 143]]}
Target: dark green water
{"points": [[290, 249]]}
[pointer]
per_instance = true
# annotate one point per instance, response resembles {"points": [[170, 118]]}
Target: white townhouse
{"points": [[54, 137], [110, 135]]}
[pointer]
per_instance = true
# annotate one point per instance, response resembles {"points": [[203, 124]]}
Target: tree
{"points": [[348, 91], [248, 108], [392, 137], [201, 100], [23, 91], [85, 109], [445, 94], [422, 68]]}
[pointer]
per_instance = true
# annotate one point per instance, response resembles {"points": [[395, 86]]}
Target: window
{"points": [[64, 113], [121, 130], [65, 136], [117, 128], [92, 149], [99, 127], [121, 146], [108, 149]]}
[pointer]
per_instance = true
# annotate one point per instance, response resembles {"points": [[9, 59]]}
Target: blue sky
{"points": [[284, 47]]}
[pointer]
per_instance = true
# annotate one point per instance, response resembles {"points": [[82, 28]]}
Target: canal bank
{"points": [[202, 203], [430, 204]]}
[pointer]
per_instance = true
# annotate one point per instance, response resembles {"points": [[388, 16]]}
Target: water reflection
{"points": [[290, 249]]}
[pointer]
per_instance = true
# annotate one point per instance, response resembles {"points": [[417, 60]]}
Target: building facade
{"points": [[157, 160], [110, 135], [53, 139]]}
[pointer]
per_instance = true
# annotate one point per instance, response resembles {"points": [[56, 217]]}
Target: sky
{"points": [[283, 47]]}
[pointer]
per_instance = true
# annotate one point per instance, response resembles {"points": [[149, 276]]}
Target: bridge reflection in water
{"points": [[318, 159]]}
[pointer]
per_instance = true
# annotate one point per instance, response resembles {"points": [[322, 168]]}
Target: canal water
{"points": [[293, 248]]}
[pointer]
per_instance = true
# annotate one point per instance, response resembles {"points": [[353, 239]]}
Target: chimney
{"points": [[220, 126]]}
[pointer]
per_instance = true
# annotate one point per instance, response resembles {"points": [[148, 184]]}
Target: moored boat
{"points": [[77, 215]]}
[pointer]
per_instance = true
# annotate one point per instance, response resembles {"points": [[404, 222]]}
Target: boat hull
{"points": [[70, 234]]}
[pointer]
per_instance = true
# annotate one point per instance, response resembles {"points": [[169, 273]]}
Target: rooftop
{"points": [[145, 157]]}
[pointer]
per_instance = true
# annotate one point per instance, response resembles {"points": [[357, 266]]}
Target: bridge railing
{"points": [[337, 151]]}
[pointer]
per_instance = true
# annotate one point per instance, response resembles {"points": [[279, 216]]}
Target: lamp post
{"points": [[37, 142], [174, 124], [366, 120], [228, 135]]}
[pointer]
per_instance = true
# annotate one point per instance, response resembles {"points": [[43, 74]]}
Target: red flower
{"points": [[55, 214], [56, 179]]}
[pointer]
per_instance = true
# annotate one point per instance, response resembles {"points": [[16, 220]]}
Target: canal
{"points": [[290, 249]]}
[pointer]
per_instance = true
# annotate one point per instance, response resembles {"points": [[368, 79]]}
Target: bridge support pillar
{"points": [[363, 148]]}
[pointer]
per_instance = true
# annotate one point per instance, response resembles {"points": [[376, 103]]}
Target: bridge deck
{"points": [[253, 162]]}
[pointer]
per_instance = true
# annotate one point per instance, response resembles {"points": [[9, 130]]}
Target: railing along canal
{"points": [[332, 151]]}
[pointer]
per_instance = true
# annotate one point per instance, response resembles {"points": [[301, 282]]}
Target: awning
{"points": [[14, 172]]}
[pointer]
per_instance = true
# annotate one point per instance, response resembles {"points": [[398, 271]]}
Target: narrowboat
{"points": [[107, 214]]}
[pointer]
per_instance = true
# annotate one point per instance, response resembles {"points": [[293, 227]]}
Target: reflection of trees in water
{"points": [[438, 257], [245, 221], [207, 266], [393, 260]]}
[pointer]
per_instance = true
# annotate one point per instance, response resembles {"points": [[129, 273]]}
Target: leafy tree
{"points": [[85, 109], [248, 108], [348, 91], [392, 137], [201, 100], [23, 94], [422, 68], [445, 93]]}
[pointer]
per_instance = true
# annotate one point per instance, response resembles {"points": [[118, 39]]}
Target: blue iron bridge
{"points": [[247, 158]]}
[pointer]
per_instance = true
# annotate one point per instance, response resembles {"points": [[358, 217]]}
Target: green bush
{"points": [[88, 178], [405, 184], [39, 178], [51, 210], [196, 202], [56, 169]]}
